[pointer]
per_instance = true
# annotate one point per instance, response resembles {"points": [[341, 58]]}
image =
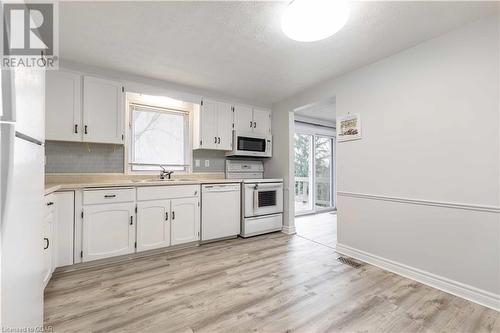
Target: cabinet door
{"points": [[153, 224], [185, 223], [243, 119], [63, 106], [63, 228], [102, 111], [208, 124], [48, 243], [224, 126], [108, 230], [262, 121]]}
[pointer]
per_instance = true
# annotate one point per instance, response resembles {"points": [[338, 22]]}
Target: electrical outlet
{"points": [[207, 163], [197, 163]]}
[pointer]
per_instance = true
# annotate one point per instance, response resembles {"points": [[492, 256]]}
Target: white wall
{"points": [[279, 166], [419, 194]]}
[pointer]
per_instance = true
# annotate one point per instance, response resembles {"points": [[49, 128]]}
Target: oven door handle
{"points": [[255, 199], [268, 186]]}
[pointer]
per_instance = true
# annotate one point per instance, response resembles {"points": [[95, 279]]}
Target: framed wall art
{"points": [[349, 127]]}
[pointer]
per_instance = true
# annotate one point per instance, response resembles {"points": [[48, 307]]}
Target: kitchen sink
{"points": [[160, 180], [151, 180]]}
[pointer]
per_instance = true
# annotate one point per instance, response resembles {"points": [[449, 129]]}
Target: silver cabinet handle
{"points": [[219, 140], [110, 196], [173, 215], [251, 124], [50, 203], [254, 124], [166, 216], [131, 220]]}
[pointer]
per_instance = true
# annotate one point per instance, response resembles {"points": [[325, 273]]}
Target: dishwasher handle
{"points": [[220, 188]]}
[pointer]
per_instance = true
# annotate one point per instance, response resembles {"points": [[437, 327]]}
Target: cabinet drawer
{"points": [[167, 192], [50, 204], [92, 197]]}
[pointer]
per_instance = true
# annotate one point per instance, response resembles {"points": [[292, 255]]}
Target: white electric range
{"points": [[261, 199]]}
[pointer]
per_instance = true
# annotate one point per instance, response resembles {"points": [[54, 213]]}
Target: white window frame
{"points": [[130, 143]]}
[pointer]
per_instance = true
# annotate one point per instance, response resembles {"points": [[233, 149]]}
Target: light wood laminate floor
{"points": [[271, 283], [320, 228]]}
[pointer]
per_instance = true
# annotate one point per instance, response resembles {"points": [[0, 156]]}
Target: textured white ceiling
{"points": [[237, 48]]}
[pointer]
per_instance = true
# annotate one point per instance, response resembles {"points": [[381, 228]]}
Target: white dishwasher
{"points": [[220, 211]]}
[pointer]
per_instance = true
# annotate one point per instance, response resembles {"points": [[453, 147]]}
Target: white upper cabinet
{"points": [[252, 120], [208, 125], [63, 106], [185, 221], [224, 126], [213, 126], [83, 108], [102, 110], [243, 118], [261, 121], [153, 224]]}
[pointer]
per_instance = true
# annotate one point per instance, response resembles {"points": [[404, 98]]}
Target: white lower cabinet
{"points": [[63, 228], [153, 224], [175, 209], [48, 238], [120, 221], [48, 266], [185, 221], [108, 230]]}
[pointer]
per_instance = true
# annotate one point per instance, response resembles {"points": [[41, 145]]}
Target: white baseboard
{"points": [[450, 286], [288, 230]]}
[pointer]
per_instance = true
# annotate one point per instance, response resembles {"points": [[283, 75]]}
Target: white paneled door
{"points": [[63, 106], [153, 224], [243, 119], [102, 110], [108, 230], [224, 126], [262, 121], [185, 223], [208, 125]]}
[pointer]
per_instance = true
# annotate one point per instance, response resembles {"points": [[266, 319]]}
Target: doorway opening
{"points": [[314, 175]]}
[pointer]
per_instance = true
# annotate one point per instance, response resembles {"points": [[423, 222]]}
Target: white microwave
{"points": [[251, 144]]}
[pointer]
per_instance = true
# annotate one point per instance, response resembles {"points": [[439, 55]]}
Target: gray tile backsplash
{"points": [[76, 157], [216, 160]]}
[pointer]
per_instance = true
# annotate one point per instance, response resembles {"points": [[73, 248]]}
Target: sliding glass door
{"points": [[303, 173], [323, 172], [314, 173]]}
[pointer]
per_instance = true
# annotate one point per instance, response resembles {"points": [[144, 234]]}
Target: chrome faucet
{"points": [[164, 174]]}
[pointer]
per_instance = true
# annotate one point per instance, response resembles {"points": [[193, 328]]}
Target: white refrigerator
{"points": [[21, 198]]}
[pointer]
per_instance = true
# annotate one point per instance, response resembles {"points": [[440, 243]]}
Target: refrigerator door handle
{"points": [[28, 138]]}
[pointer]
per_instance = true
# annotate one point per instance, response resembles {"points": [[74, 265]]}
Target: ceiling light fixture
{"points": [[312, 20]]}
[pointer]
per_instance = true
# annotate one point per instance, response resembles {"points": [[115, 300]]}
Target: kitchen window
{"points": [[159, 137]]}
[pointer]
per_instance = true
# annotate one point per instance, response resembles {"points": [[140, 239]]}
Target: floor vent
{"points": [[349, 261]]}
